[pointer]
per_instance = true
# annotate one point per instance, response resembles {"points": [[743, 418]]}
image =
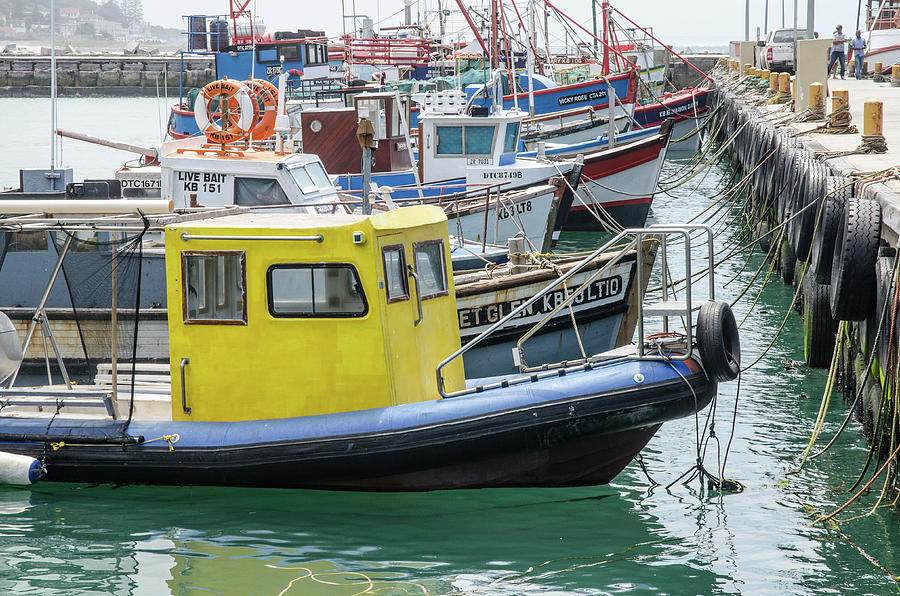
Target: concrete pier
{"points": [[818, 186], [109, 75]]}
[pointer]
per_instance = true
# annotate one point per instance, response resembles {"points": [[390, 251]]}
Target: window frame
{"points": [[270, 305], [462, 141], [406, 295], [184, 287], [515, 138], [440, 242], [494, 135]]}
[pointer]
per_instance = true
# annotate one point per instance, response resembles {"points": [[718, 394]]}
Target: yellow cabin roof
{"points": [[398, 219]]}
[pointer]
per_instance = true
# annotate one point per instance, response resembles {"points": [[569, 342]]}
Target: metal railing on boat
{"points": [[665, 308]]}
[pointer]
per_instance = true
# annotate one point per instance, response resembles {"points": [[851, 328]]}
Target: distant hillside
{"points": [[38, 11]]}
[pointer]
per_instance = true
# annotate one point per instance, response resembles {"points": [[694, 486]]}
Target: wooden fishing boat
{"points": [[323, 352]]}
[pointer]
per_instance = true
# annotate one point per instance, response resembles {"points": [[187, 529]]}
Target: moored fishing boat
{"points": [[337, 332]]}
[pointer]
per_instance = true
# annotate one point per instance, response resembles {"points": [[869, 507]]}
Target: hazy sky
{"points": [[682, 22]]}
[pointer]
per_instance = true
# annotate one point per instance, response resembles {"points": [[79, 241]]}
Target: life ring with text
{"points": [[236, 116], [265, 97]]}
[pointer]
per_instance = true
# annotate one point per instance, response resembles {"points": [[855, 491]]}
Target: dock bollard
{"points": [[865, 68], [747, 68], [817, 100], [873, 126], [784, 83], [773, 83], [895, 75], [879, 70], [840, 110]]}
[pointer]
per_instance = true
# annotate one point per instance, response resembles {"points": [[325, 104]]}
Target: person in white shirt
{"points": [[837, 50]]}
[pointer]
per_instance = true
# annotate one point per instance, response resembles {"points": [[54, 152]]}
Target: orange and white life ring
{"points": [[238, 112], [295, 73], [265, 95]]}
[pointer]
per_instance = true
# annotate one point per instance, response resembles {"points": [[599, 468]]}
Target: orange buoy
{"points": [[236, 116], [265, 97]]}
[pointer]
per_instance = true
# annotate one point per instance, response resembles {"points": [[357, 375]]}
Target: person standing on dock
{"points": [[837, 51], [858, 45]]}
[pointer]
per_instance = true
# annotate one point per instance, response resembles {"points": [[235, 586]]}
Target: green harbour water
{"points": [[628, 537]]}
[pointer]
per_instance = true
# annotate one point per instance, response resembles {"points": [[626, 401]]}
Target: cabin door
{"points": [[402, 319]]}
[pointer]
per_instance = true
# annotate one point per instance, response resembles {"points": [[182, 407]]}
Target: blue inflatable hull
{"points": [[580, 428]]}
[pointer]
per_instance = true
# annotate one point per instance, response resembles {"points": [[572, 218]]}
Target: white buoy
{"points": [[20, 469]]}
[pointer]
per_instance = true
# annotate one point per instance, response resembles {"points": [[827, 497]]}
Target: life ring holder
{"points": [[237, 97], [265, 95]]}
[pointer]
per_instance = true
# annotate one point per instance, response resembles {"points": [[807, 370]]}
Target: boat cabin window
{"points": [[266, 55], [258, 191], [512, 137], [25, 241], [431, 268], [476, 140], [395, 279], [316, 53], [319, 290], [449, 140], [289, 52], [480, 139], [319, 176], [214, 287]]}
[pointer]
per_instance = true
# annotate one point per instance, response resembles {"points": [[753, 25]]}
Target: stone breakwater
{"points": [[29, 76]]}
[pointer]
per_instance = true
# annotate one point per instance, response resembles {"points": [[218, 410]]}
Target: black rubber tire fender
{"points": [[832, 217], [805, 224], [819, 328], [853, 264], [718, 341], [763, 232], [787, 263], [884, 298]]}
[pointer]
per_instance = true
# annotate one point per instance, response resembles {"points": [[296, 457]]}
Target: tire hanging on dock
{"points": [[819, 328], [832, 217], [884, 297], [812, 189], [853, 265], [718, 341], [787, 263]]}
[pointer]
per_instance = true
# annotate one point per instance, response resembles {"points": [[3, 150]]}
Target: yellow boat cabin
{"points": [[285, 315]]}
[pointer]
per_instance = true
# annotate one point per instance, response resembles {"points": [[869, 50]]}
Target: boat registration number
{"points": [[506, 212], [479, 161]]}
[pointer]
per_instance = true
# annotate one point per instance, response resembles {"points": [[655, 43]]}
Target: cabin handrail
{"points": [[656, 229]]}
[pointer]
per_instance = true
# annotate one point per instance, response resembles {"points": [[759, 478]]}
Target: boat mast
{"points": [[530, 58], [52, 92], [493, 34], [605, 8]]}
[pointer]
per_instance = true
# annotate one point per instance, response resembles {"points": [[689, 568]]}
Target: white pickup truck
{"points": [[778, 50]]}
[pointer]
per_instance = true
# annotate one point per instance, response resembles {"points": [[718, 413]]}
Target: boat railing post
{"points": [[45, 327], [41, 303], [688, 282], [640, 294], [487, 208], [665, 280]]}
